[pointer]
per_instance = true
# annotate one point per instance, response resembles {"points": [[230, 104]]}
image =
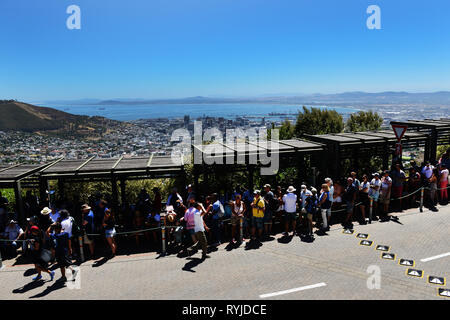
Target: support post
{"points": [[196, 174], [421, 199], [433, 145], [61, 189], [163, 237], [251, 170], [241, 229], [43, 187], [115, 194], [19, 203], [301, 168], [386, 156], [123, 187], [80, 240], [370, 210]]}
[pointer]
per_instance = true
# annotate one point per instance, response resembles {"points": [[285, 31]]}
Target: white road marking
{"points": [[278, 293], [436, 257]]}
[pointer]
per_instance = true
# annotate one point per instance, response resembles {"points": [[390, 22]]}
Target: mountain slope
{"points": [[15, 115]]}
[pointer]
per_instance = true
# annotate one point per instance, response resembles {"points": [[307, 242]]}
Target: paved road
{"points": [[333, 266]]}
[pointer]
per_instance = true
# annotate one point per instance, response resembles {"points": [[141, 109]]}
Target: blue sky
{"points": [[180, 48]]}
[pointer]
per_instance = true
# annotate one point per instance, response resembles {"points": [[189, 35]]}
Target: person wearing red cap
{"points": [[41, 256]]}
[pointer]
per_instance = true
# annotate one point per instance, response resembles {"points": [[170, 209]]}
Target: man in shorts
{"points": [[258, 207], [290, 207], [87, 216]]}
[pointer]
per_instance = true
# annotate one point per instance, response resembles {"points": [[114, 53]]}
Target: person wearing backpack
{"points": [[325, 204], [310, 209], [67, 224]]}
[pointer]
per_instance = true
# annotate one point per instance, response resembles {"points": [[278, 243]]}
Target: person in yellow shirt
{"points": [[257, 215]]}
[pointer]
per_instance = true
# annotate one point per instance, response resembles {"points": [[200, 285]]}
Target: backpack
{"points": [[76, 231], [221, 211], [178, 234], [273, 204], [327, 202]]}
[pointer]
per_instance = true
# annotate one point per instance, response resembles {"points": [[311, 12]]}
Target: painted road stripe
{"points": [[436, 257], [279, 293]]}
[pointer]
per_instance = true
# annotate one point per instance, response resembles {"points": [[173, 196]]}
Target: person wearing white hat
{"points": [[290, 207], [303, 194]]}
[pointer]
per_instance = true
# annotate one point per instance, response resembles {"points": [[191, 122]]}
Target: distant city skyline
{"points": [[153, 50]]}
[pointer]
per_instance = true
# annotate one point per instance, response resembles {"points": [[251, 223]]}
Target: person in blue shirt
{"points": [[88, 218], [217, 214]]}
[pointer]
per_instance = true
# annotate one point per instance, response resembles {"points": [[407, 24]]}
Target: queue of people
{"points": [[195, 221]]}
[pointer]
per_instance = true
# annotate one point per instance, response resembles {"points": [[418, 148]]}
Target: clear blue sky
{"points": [[179, 48]]}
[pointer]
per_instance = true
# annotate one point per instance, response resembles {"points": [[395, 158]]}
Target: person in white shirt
{"points": [[427, 170], [199, 229], [303, 194], [290, 207], [12, 232], [374, 191], [329, 182], [66, 224]]}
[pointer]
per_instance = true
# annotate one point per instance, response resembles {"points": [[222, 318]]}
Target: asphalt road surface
{"points": [[333, 266]]}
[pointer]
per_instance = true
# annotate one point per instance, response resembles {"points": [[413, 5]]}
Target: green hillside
{"points": [[20, 116]]}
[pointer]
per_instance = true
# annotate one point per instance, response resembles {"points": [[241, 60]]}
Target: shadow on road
{"points": [[29, 286], [100, 262], [59, 284], [285, 239], [29, 272], [253, 245], [307, 238], [192, 264]]}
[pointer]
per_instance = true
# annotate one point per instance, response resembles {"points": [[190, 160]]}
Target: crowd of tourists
{"points": [[193, 222]]}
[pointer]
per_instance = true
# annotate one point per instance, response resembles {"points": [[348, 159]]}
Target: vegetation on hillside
{"points": [[363, 121]]}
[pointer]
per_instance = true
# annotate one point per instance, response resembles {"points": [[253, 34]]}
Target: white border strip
{"points": [[436, 257], [278, 293]]}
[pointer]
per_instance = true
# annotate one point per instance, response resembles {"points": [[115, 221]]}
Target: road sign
{"points": [[436, 280], [362, 235], [398, 149], [388, 256], [406, 262], [414, 273], [348, 231], [399, 131]]}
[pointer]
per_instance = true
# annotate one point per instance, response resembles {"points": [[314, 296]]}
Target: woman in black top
{"points": [[41, 257]]}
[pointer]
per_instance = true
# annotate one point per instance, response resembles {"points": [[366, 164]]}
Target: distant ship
{"points": [[101, 108], [280, 114]]}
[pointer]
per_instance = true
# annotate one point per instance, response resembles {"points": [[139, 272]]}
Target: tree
{"points": [[318, 121], [286, 131], [363, 121]]}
